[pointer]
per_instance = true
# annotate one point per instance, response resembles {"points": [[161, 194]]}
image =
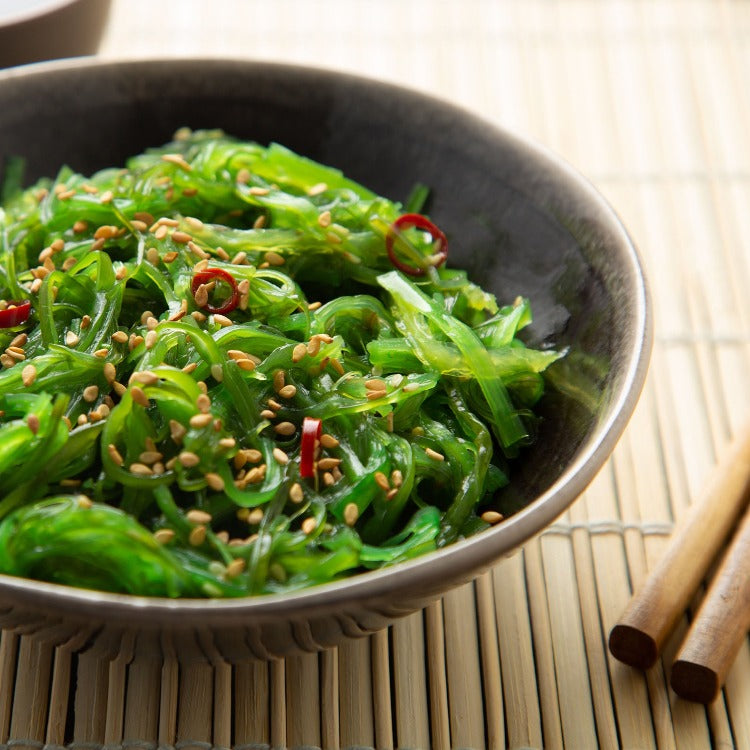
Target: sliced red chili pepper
{"points": [[312, 429], [206, 276], [407, 221], [15, 314]]}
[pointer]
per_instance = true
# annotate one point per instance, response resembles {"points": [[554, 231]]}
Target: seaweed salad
{"points": [[229, 370]]}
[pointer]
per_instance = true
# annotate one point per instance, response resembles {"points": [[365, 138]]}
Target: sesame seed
{"points": [[201, 295], [328, 463], [280, 456], [328, 479], [121, 272], [240, 258], [214, 481], [279, 380], [28, 375], [178, 160], [145, 377], [144, 216], [170, 256], [328, 441], [253, 455], [151, 339], [66, 194], [82, 419], [84, 502], [181, 237], [164, 536], [193, 223], [351, 514], [198, 316], [275, 259], [288, 391], [246, 364], [32, 422], [222, 320], [217, 372], [382, 480], [391, 493], [314, 305], [375, 395], [119, 388], [434, 454], [20, 340], [268, 414], [397, 478], [313, 347], [298, 352], [296, 493], [235, 567], [160, 232], [91, 393], [105, 232], [6, 360], [337, 366], [114, 454], [198, 516], [101, 353], [492, 517], [254, 516], [138, 396], [260, 222], [198, 421], [273, 404], [285, 428], [150, 457], [255, 190], [120, 337], [139, 226], [243, 176], [309, 525], [222, 536], [80, 226], [189, 459], [152, 256], [227, 442], [139, 468], [106, 196], [197, 535], [324, 220]]}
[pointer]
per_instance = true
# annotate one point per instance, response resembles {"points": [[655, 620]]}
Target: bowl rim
{"points": [[459, 561]]}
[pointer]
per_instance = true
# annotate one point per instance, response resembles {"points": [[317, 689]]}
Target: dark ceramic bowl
{"points": [[33, 30], [519, 220]]}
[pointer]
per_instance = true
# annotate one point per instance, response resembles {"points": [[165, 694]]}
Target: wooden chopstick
{"points": [[720, 626], [638, 637]]}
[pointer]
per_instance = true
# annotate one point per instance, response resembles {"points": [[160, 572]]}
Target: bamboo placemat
{"points": [[649, 99]]}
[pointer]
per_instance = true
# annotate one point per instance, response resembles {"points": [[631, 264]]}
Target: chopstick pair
{"points": [[723, 619]]}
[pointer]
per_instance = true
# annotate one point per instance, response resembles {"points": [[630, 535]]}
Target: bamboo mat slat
{"points": [[650, 100]]}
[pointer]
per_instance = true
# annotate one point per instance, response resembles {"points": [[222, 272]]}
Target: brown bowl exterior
{"points": [[56, 29], [520, 221]]}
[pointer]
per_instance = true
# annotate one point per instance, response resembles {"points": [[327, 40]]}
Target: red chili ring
{"points": [[15, 314], [312, 429], [208, 275], [420, 222]]}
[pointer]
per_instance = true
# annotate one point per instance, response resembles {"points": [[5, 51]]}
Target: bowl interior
{"points": [[519, 221]]}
